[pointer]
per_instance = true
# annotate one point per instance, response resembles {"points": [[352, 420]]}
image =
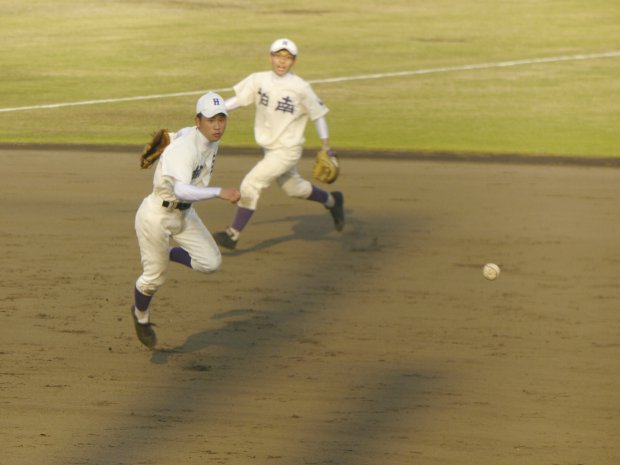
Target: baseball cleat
{"points": [[337, 211], [225, 240], [144, 331]]}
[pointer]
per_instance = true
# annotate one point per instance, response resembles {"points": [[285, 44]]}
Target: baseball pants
{"points": [[155, 226], [277, 165]]}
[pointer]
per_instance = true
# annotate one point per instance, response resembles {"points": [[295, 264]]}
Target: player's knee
{"points": [[247, 190], [297, 188], [209, 265], [249, 196]]}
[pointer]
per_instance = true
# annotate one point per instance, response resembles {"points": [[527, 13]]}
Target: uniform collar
{"points": [[278, 77]]}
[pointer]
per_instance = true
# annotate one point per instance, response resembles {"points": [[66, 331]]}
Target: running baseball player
{"points": [[182, 177], [284, 102]]}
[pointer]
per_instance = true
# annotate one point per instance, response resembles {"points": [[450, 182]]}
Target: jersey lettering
{"points": [[264, 98], [197, 172], [286, 105], [212, 165]]}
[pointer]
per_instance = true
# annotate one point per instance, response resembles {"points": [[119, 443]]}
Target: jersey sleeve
{"points": [[245, 90], [180, 132], [315, 106], [177, 164]]}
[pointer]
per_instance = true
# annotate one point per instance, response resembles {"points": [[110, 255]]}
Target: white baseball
{"points": [[490, 271]]}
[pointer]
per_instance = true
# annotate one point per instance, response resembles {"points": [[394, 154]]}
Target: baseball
{"points": [[490, 271]]}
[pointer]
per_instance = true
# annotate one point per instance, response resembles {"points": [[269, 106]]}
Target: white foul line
{"points": [[501, 64]]}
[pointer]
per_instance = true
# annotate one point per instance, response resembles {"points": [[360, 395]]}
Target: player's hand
{"points": [[230, 194]]}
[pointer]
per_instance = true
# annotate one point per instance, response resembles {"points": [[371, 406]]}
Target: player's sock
{"points": [[331, 201], [233, 233], [141, 316], [180, 255], [242, 216], [319, 195], [141, 301]]}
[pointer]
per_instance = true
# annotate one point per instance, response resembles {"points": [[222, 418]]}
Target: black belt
{"points": [[177, 205]]}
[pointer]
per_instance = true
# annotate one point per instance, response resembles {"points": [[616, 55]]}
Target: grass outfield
{"points": [[64, 51]]}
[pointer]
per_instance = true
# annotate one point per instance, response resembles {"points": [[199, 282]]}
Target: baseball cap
{"points": [[211, 104], [284, 44]]}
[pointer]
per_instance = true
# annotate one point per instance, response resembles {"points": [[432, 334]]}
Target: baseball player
{"points": [[181, 178], [284, 102]]}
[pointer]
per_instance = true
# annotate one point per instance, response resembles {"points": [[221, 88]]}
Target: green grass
{"points": [[68, 51]]}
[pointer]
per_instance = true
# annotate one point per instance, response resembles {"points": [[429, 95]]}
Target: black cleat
{"points": [[337, 211], [144, 331], [225, 240]]}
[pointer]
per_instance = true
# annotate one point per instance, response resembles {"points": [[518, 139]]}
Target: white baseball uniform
{"points": [[283, 106], [188, 161]]}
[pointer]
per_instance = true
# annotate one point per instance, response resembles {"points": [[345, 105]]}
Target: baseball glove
{"points": [[153, 150], [326, 167]]}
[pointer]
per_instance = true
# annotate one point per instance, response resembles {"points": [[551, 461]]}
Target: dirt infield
{"points": [[382, 345]]}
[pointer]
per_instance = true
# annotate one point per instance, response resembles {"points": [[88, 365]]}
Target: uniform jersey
{"points": [[189, 159], [283, 106]]}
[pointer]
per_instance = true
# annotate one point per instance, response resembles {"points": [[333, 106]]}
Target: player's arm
{"points": [[189, 193], [232, 103], [245, 93], [323, 132]]}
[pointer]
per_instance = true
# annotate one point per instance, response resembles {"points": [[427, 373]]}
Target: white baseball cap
{"points": [[211, 104], [284, 44]]}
